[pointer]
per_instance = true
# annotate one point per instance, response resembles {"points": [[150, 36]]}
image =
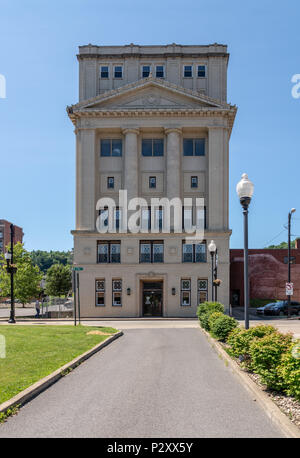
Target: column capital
{"points": [[169, 130], [131, 130]]}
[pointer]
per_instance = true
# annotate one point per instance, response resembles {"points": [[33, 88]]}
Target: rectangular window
{"points": [[146, 219], [151, 251], [187, 218], [202, 290], [185, 291], [117, 293], [193, 252], [152, 182], [194, 146], [152, 147], [111, 147], [188, 71], [194, 182], [201, 217], [110, 182], [100, 292], [160, 71], [201, 71], [104, 72], [109, 252], [159, 218], [145, 71], [118, 71]]}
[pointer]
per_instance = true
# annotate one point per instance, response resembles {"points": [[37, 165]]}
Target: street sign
{"points": [[289, 289], [77, 268]]}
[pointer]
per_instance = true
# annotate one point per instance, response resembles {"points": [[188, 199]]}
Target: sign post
{"points": [[289, 289], [75, 277]]}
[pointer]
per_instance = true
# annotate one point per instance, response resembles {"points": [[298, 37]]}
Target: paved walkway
{"points": [[163, 382]]}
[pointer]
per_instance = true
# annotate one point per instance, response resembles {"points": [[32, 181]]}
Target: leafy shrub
{"points": [[213, 317], [240, 340], [266, 354], [205, 310], [209, 307], [222, 326], [289, 370]]}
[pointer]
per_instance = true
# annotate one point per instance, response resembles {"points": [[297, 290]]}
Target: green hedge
{"points": [[239, 340], [261, 349], [266, 354], [289, 370]]}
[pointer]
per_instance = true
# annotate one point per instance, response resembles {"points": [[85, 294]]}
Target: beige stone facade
{"points": [[153, 120]]}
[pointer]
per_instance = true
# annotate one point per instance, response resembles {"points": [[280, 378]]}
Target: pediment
{"points": [[150, 94]]}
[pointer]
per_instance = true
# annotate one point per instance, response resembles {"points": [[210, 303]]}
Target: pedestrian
{"points": [[37, 308]]}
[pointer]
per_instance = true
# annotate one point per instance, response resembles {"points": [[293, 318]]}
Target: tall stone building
{"points": [[154, 121]]}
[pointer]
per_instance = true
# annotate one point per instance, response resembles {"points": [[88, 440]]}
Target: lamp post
{"points": [[212, 249], [11, 269], [289, 257], [216, 275], [245, 190]]}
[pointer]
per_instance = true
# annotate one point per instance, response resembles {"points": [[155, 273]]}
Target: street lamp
{"points": [[212, 249], [289, 257], [245, 190], [11, 269]]}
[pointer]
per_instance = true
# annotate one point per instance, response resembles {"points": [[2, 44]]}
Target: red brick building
{"points": [[5, 234], [268, 273]]}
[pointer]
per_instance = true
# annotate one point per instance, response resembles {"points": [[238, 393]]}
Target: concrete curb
{"points": [[33, 390], [271, 409]]}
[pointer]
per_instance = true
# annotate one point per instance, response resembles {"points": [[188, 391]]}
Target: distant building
{"points": [[268, 273], [5, 234]]}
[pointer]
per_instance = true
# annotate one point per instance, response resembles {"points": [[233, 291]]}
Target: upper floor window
{"points": [[152, 182], [160, 71], [152, 251], [201, 71], [145, 71], [152, 147], [188, 71], [110, 182], [194, 146], [104, 72], [118, 71], [109, 252], [116, 216], [194, 182], [111, 147], [193, 252]]}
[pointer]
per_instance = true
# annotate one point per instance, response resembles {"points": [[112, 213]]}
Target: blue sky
{"points": [[39, 41]]}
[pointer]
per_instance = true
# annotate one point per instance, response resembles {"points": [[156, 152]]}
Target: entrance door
{"points": [[152, 298]]}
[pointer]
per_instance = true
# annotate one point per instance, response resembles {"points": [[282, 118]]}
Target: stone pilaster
{"points": [[173, 162], [131, 162], [85, 180], [218, 178]]}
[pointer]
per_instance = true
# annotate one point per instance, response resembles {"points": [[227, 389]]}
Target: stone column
{"points": [[217, 178], [173, 163], [131, 162], [85, 180]]}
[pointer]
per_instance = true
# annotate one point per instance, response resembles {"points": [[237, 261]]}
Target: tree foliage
{"points": [[282, 246], [58, 280], [45, 259], [27, 279]]}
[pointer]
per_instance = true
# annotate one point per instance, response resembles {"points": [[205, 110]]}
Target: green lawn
{"points": [[32, 352]]}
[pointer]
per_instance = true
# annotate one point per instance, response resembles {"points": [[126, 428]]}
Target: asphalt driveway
{"points": [[149, 383]]}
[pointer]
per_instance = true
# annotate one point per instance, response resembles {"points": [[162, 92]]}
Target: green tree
{"points": [[45, 259], [27, 279], [58, 280], [282, 246]]}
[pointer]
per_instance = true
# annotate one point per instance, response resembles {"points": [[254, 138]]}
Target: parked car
{"points": [[261, 310], [281, 308]]}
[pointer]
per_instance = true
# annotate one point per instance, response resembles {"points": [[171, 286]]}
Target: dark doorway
{"points": [[152, 298]]}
